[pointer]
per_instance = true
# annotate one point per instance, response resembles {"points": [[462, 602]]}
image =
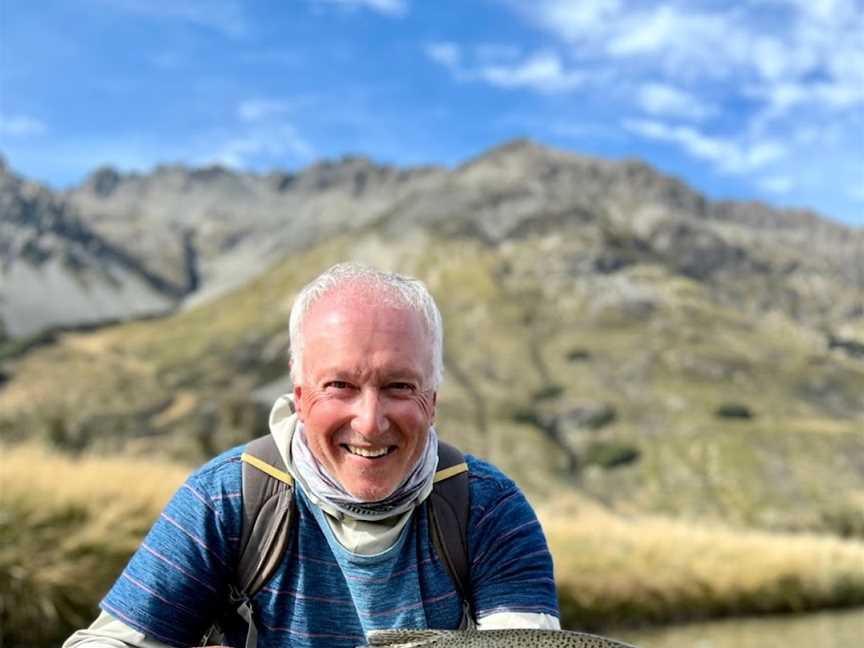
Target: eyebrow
{"points": [[400, 374]]}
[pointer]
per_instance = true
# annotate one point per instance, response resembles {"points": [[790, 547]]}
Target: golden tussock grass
{"points": [[67, 528], [613, 570], [137, 481]]}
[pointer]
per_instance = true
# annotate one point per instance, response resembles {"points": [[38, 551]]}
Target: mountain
{"points": [[189, 235], [209, 230], [57, 270], [607, 328]]}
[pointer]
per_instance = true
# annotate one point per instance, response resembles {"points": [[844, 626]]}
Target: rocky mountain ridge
{"points": [[56, 269], [235, 224], [192, 234]]}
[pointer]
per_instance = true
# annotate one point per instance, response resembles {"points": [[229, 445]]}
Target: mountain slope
{"points": [[56, 270], [607, 329], [636, 386]]}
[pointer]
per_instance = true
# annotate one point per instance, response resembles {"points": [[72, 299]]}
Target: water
{"points": [[831, 629]]}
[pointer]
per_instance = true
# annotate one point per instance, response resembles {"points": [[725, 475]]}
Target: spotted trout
{"points": [[489, 639]]}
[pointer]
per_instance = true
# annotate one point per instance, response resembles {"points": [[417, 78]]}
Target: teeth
{"points": [[363, 452]]}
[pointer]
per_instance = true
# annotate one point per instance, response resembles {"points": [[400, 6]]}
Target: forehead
{"points": [[362, 292], [353, 328], [362, 303]]}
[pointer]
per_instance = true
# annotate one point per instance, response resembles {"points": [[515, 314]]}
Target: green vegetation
{"points": [[578, 355], [846, 519], [733, 411], [639, 358], [548, 392], [608, 454]]}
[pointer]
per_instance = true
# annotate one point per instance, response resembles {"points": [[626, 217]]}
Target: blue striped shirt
{"points": [[176, 584]]}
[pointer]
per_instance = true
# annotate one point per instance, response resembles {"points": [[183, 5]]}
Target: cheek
{"points": [[322, 421], [320, 415]]}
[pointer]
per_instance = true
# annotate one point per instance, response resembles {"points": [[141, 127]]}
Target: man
{"points": [[357, 437]]}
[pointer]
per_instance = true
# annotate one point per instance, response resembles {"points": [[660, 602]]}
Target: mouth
{"points": [[368, 453]]}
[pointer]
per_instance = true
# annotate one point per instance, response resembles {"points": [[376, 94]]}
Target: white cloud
{"points": [[394, 8], [771, 58], [447, 54], [825, 10], [669, 32], [500, 66], [856, 192], [226, 16], [21, 125], [272, 144], [257, 109], [663, 37], [777, 184], [664, 99], [542, 72], [576, 21], [780, 98], [791, 52], [784, 53], [729, 156]]}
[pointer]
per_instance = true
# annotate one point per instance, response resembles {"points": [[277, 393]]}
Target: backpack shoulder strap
{"points": [[268, 507], [449, 507]]}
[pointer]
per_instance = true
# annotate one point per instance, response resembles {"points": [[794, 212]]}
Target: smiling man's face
{"points": [[365, 397]]}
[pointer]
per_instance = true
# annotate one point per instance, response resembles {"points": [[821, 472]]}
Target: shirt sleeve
{"points": [[108, 632], [177, 581], [509, 620], [511, 567]]}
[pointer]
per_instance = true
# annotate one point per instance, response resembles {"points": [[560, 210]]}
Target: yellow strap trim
{"points": [[281, 475], [449, 472]]}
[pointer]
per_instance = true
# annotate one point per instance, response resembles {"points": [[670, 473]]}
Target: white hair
{"points": [[392, 289]]}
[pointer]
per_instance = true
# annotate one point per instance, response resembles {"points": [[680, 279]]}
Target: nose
{"points": [[369, 417]]}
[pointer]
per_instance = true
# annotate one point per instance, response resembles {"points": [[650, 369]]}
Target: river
{"points": [[830, 629]]}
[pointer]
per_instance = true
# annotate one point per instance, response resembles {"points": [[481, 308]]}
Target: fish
{"points": [[489, 639]]}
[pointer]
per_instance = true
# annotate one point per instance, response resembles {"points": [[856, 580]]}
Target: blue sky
{"points": [[755, 99]]}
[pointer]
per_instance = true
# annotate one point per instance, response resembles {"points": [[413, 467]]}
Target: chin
{"points": [[371, 493]]}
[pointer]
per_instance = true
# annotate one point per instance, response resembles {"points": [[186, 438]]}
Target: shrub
{"points": [[527, 416], [590, 417], [578, 355], [733, 411], [609, 454], [845, 522], [548, 392]]}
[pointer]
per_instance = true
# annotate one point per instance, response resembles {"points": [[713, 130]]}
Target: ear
{"points": [[298, 403], [434, 403]]}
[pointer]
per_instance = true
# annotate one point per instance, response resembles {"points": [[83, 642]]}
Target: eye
{"points": [[400, 387], [337, 384]]}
